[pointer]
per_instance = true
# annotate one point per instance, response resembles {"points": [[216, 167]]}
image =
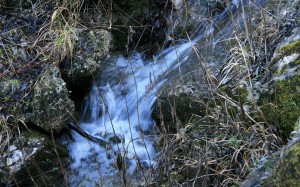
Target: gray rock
{"points": [[33, 159], [179, 100], [51, 106]]}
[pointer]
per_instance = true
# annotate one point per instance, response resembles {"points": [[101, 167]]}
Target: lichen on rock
{"points": [[51, 106]]}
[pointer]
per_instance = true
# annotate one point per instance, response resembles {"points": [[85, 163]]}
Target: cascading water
{"points": [[118, 110]]}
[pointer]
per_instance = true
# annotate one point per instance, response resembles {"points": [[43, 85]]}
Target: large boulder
{"points": [[91, 48], [179, 100], [51, 107], [33, 159]]}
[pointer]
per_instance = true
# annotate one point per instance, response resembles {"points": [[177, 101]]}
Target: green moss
{"points": [[291, 48], [239, 94], [287, 50], [282, 108]]}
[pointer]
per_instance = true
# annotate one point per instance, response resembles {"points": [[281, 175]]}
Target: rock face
{"points": [[91, 47], [51, 106], [33, 156]]}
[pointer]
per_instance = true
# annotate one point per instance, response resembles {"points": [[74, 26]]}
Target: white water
{"points": [[120, 105]]}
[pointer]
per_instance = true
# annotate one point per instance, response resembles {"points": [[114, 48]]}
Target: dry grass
{"points": [[220, 147]]}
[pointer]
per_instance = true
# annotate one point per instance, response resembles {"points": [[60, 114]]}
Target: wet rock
{"points": [[51, 106], [33, 159], [91, 48]]}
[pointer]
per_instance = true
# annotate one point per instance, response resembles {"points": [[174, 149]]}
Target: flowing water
{"points": [[118, 110]]}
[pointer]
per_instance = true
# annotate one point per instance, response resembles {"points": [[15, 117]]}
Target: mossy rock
{"points": [[51, 107], [179, 102], [291, 48], [288, 171], [282, 108], [176, 110]]}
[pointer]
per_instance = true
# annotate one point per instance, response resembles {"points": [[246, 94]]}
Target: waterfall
{"points": [[118, 110]]}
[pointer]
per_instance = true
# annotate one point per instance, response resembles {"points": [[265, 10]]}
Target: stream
{"points": [[118, 110]]}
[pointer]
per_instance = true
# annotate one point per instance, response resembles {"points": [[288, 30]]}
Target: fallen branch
{"points": [[86, 135]]}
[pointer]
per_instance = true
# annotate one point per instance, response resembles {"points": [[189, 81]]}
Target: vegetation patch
{"points": [[291, 48]]}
